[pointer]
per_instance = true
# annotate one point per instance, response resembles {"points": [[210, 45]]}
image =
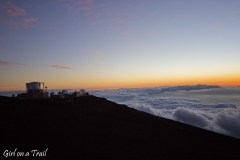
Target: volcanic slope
{"points": [[94, 128]]}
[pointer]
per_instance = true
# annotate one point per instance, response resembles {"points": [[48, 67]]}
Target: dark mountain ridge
{"points": [[95, 128]]}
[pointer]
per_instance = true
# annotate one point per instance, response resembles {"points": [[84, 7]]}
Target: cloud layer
{"points": [[86, 6], [210, 107], [13, 10], [58, 66], [8, 63], [17, 16]]}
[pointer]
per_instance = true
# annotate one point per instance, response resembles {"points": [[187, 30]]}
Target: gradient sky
{"points": [[119, 43]]}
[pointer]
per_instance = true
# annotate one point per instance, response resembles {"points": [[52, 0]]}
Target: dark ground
{"points": [[95, 128]]}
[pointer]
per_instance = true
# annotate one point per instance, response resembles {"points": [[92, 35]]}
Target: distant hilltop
{"points": [[189, 87]]}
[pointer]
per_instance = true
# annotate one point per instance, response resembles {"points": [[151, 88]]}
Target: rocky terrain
{"points": [[94, 128]]}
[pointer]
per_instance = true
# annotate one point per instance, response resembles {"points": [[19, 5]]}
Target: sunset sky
{"points": [[119, 43]]}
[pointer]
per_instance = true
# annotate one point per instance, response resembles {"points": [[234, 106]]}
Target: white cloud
{"points": [[208, 107], [189, 116], [215, 109], [229, 120]]}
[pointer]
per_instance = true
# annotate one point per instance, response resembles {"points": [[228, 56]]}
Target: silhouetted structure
{"points": [[34, 90], [38, 90]]}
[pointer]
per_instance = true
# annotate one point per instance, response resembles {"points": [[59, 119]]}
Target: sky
{"points": [[119, 44]]}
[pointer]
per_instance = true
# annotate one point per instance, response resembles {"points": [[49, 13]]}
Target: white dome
{"points": [[82, 91], [65, 92]]}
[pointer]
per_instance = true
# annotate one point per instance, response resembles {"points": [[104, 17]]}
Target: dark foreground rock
{"points": [[95, 128]]}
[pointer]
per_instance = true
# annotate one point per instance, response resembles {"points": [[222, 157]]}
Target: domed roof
{"points": [[65, 92]]}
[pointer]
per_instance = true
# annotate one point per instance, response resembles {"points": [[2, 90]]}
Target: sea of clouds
{"points": [[206, 106], [210, 107]]}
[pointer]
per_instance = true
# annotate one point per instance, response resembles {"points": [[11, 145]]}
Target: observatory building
{"points": [[36, 90]]}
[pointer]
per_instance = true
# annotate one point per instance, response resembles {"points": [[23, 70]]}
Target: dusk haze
{"points": [[120, 79], [102, 44]]}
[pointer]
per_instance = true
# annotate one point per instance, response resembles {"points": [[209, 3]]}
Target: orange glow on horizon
{"points": [[143, 83], [227, 80]]}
